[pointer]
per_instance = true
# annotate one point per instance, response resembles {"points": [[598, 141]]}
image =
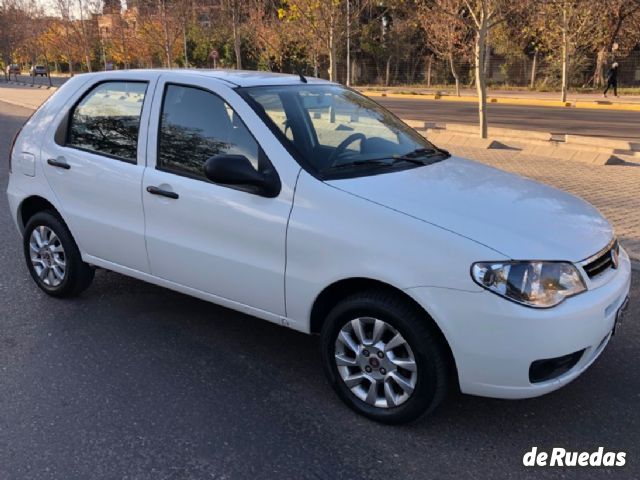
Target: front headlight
{"points": [[535, 284]]}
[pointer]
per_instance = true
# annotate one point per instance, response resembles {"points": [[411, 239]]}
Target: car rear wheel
{"points": [[384, 357], [53, 258]]}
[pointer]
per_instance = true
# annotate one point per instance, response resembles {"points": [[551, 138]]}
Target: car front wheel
{"points": [[385, 357], [53, 258]]}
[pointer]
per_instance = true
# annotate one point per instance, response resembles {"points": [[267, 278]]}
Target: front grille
{"points": [[602, 261]]}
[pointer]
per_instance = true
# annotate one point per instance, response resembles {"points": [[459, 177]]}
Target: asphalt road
{"points": [[600, 123], [132, 381]]}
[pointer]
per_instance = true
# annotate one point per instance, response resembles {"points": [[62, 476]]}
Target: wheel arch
{"points": [[341, 289], [32, 205]]}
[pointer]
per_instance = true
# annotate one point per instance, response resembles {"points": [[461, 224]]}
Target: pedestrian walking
{"points": [[612, 80]]}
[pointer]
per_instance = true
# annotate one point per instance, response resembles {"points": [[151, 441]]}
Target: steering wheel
{"points": [[343, 146]]}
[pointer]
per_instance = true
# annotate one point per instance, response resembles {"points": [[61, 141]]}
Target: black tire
{"points": [[78, 275], [434, 369]]}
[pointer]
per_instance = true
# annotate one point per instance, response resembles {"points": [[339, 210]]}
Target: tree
{"points": [[83, 30], [618, 26], [483, 16], [273, 44], [571, 25], [391, 36], [319, 19], [480, 16], [234, 11], [119, 44], [517, 40], [447, 35], [63, 9], [162, 30], [322, 23], [14, 19]]}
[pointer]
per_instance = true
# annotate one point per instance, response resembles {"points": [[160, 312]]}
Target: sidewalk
{"points": [[510, 97], [24, 95]]}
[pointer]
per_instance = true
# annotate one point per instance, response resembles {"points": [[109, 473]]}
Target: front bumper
{"points": [[495, 341]]}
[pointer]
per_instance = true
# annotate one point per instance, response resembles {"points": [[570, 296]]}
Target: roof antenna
{"points": [[299, 72]]}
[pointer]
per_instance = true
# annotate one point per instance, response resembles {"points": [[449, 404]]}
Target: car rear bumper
{"points": [[15, 197], [495, 342]]}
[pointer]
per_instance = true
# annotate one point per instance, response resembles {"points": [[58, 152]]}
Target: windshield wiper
{"points": [[425, 153], [420, 156], [384, 162]]}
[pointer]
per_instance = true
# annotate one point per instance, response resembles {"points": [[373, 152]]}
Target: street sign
{"points": [[214, 55]]}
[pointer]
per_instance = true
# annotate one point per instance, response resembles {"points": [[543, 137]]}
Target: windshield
{"points": [[336, 129]]}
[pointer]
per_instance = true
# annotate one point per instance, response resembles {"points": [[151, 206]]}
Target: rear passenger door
{"points": [[94, 159], [218, 239]]}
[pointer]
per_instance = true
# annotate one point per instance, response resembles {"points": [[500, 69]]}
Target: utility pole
{"points": [[85, 46], [348, 43], [184, 38], [565, 53], [104, 55]]}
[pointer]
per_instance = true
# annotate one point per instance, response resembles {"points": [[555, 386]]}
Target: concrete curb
{"points": [[603, 143], [591, 150], [532, 102], [24, 84]]}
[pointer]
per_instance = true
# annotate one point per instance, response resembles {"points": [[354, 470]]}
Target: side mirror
{"points": [[237, 170]]}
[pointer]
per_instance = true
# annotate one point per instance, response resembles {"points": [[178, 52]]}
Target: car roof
{"points": [[237, 78]]}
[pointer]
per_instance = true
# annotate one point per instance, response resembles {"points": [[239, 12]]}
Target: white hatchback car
{"points": [[306, 204]]}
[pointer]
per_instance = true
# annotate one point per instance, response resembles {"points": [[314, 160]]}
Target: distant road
{"points": [[599, 123]]}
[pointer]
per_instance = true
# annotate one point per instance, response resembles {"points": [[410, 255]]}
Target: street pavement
{"points": [[557, 120], [501, 93], [133, 381]]}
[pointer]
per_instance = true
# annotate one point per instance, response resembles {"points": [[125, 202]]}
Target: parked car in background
{"points": [[306, 204], [38, 71], [13, 69]]}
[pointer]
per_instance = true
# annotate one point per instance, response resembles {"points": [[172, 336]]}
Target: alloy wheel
{"points": [[47, 256], [376, 362]]}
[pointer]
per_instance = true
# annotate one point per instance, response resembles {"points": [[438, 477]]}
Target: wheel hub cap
{"points": [[47, 256], [375, 362]]}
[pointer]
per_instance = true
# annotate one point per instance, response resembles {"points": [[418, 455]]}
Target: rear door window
{"points": [[107, 120]]}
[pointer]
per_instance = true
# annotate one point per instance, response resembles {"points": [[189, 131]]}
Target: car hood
{"points": [[519, 218]]}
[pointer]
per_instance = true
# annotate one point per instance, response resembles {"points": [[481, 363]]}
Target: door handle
{"points": [[58, 163], [163, 193]]}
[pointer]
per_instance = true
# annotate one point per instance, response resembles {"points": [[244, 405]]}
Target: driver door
{"points": [[212, 238]]}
